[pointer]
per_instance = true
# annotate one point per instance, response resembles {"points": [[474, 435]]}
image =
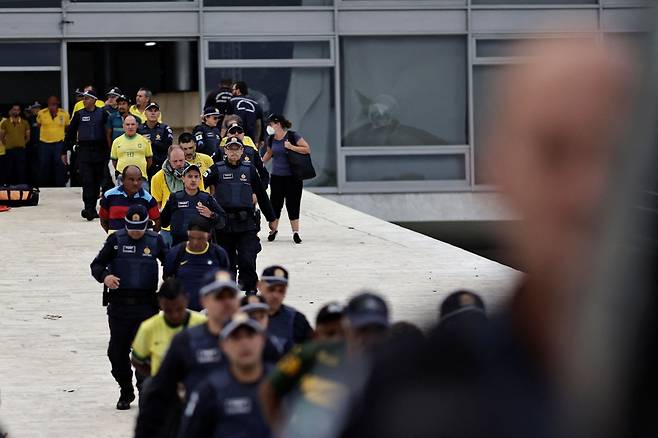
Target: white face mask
{"points": [[270, 130]]}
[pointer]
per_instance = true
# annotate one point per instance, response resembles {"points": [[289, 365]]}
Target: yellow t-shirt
{"points": [[154, 336], [131, 150], [141, 114], [246, 141], [80, 104], [52, 129], [204, 162]]}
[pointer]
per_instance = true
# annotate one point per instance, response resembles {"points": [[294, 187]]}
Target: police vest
{"points": [[206, 356], [239, 403], [233, 189], [184, 210], [207, 139], [136, 262], [91, 126], [157, 137], [280, 329]]}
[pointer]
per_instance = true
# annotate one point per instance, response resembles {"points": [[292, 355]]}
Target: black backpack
{"points": [[20, 195]]}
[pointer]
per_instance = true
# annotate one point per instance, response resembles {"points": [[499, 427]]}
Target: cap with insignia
{"points": [[152, 105], [137, 218], [253, 303], [218, 281], [233, 143], [236, 128], [210, 111], [275, 275], [459, 302], [330, 312], [240, 319], [114, 91], [367, 309]]}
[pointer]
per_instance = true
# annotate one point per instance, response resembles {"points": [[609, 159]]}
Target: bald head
{"points": [[130, 125]]}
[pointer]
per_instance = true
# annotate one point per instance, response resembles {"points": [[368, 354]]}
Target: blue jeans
{"points": [[166, 236], [52, 172]]}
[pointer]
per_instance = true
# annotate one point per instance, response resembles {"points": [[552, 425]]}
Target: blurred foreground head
{"points": [[552, 149]]}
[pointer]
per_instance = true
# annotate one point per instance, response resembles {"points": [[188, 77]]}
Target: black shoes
{"points": [[127, 396], [272, 236], [296, 238], [89, 214]]}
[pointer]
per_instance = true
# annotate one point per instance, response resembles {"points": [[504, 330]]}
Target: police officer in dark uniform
{"points": [[207, 134], [220, 98], [159, 134], [111, 100], [250, 154], [249, 110], [188, 203], [233, 183], [227, 403], [87, 128], [193, 354], [128, 265]]}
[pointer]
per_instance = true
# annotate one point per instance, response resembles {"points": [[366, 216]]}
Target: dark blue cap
{"points": [[367, 309]]}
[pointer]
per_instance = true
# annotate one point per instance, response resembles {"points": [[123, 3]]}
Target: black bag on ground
{"points": [[20, 195], [301, 165]]}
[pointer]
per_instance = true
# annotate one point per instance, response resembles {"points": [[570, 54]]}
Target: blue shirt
{"points": [[280, 163]]}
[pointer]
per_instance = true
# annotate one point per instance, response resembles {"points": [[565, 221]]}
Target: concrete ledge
{"points": [[54, 375]]}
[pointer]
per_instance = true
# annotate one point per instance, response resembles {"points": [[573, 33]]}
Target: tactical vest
{"points": [[233, 189], [183, 212], [280, 329], [206, 356], [157, 137], [91, 126], [239, 405], [136, 262]]}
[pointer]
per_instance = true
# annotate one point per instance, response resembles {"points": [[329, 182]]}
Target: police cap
{"points": [[91, 93], [152, 105], [191, 166], [137, 217], [235, 127], [123, 98], [459, 302], [252, 303], [233, 143], [238, 320], [367, 309], [275, 275], [211, 111], [218, 281], [114, 91], [330, 312]]}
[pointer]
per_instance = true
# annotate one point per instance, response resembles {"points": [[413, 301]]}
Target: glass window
{"points": [[30, 3], [30, 54], [305, 96], [484, 79], [268, 2], [28, 86], [403, 90], [534, 2], [405, 167], [268, 50], [504, 48]]}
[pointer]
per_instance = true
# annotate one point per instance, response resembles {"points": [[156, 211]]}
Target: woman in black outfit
{"points": [[283, 185]]}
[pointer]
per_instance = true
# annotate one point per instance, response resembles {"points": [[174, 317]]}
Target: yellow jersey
{"points": [[80, 104], [246, 141], [2, 145], [131, 151], [154, 336], [203, 161], [52, 129]]}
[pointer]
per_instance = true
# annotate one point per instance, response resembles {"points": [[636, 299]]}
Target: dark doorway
{"points": [[161, 66]]}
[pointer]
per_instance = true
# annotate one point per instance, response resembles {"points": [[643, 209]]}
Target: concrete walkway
{"points": [[54, 375]]}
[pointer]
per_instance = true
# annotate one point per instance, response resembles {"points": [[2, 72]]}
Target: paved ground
{"points": [[54, 375]]}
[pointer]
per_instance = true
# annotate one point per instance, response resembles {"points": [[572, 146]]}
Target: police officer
{"points": [[286, 324], [233, 183], [220, 98], [250, 154], [111, 100], [248, 109], [159, 134], [128, 266], [192, 355], [88, 129], [188, 203], [206, 134], [227, 404]]}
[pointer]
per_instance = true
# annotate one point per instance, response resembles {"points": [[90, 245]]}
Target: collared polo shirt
{"points": [[15, 132], [52, 128]]}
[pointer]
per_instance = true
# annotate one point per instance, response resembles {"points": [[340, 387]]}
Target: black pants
{"points": [[288, 189], [122, 334], [242, 249], [91, 177], [15, 166]]}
